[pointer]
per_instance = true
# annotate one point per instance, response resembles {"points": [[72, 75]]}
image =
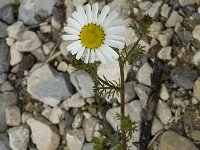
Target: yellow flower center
{"points": [[92, 36]]}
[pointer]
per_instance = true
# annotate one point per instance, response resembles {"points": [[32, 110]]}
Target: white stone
{"points": [[77, 121], [48, 47], [19, 137], [47, 112], [173, 19], [13, 116], [196, 32], [165, 36], [63, 66], [156, 126], [196, 58], [26, 116], [16, 30], [154, 10], [163, 112], [56, 115], [165, 10], [16, 57], [9, 41], [76, 101], [144, 6], [196, 89], [187, 2], [79, 2], [144, 74], [75, 139], [165, 53], [45, 29], [44, 135], [164, 94], [155, 29]]}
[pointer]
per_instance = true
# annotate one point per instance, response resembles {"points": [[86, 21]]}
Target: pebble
{"points": [[75, 139], [76, 101], [32, 12], [47, 112], [165, 36], [189, 9], [129, 91], [133, 109], [173, 19], [144, 6], [154, 10], [4, 57], [77, 121], [56, 115], [39, 54], [185, 36], [196, 32], [155, 29], [184, 77], [55, 23], [165, 10], [163, 112], [4, 142], [89, 128], [44, 82], [19, 137], [164, 94], [196, 17], [26, 116], [45, 29], [196, 89], [16, 30], [83, 83], [7, 13], [29, 41], [144, 74], [44, 135], [177, 142], [196, 58], [3, 78], [186, 2], [88, 146], [16, 57], [62, 66], [48, 47], [13, 116], [165, 53], [9, 41], [3, 30], [156, 126]]}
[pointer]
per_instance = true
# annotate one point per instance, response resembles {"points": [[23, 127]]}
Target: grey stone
{"points": [[173, 19], [186, 2], [155, 29], [89, 127], [185, 36], [83, 83], [34, 11], [4, 57], [154, 11], [19, 137], [75, 139], [4, 142], [196, 58], [165, 36], [196, 32], [189, 9], [39, 54], [156, 126], [144, 6], [13, 116], [6, 87], [44, 135], [56, 115], [144, 74], [77, 121], [196, 17], [170, 140], [6, 99], [3, 30], [7, 13], [88, 146], [133, 109], [183, 77], [165, 53], [76, 101], [3, 78], [49, 86], [165, 10], [16, 30]]}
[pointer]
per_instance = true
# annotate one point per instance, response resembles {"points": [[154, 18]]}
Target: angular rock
{"points": [[196, 89], [83, 83], [144, 6], [156, 126], [89, 128], [170, 140], [3, 78], [13, 116], [165, 36], [173, 19], [4, 57], [164, 94], [154, 10], [75, 101], [34, 11], [3, 30], [186, 2], [6, 99], [163, 112], [196, 58], [196, 32], [155, 29], [56, 115], [165, 53], [16, 30], [184, 77], [47, 112], [44, 135], [16, 57], [144, 74], [88, 146], [19, 137], [4, 142], [7, 13], [49, 86], [133, 109], [39, 54], [75, 139], [6, 87], [185, 36], [77, 121], [165, 10]]}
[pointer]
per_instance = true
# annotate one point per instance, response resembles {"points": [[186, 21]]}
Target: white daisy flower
{"points": [[94, 35]]}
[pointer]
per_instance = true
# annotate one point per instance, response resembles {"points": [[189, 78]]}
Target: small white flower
{"points": [[94, 35]]}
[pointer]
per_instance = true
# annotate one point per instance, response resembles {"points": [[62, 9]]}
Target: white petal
{"points": [[71, 31], [106, 54], [115, 37], [116, 44], [76, 50], [115, 30], [70, 37], [110, 51], [81, 11], [112, 16], [117, 22], [92, 56], [101, 57], [80, 53], [94, 12], [74, 45], [78, 18], [103, 14], [87, 56], [89, 13], [74, 24]]}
